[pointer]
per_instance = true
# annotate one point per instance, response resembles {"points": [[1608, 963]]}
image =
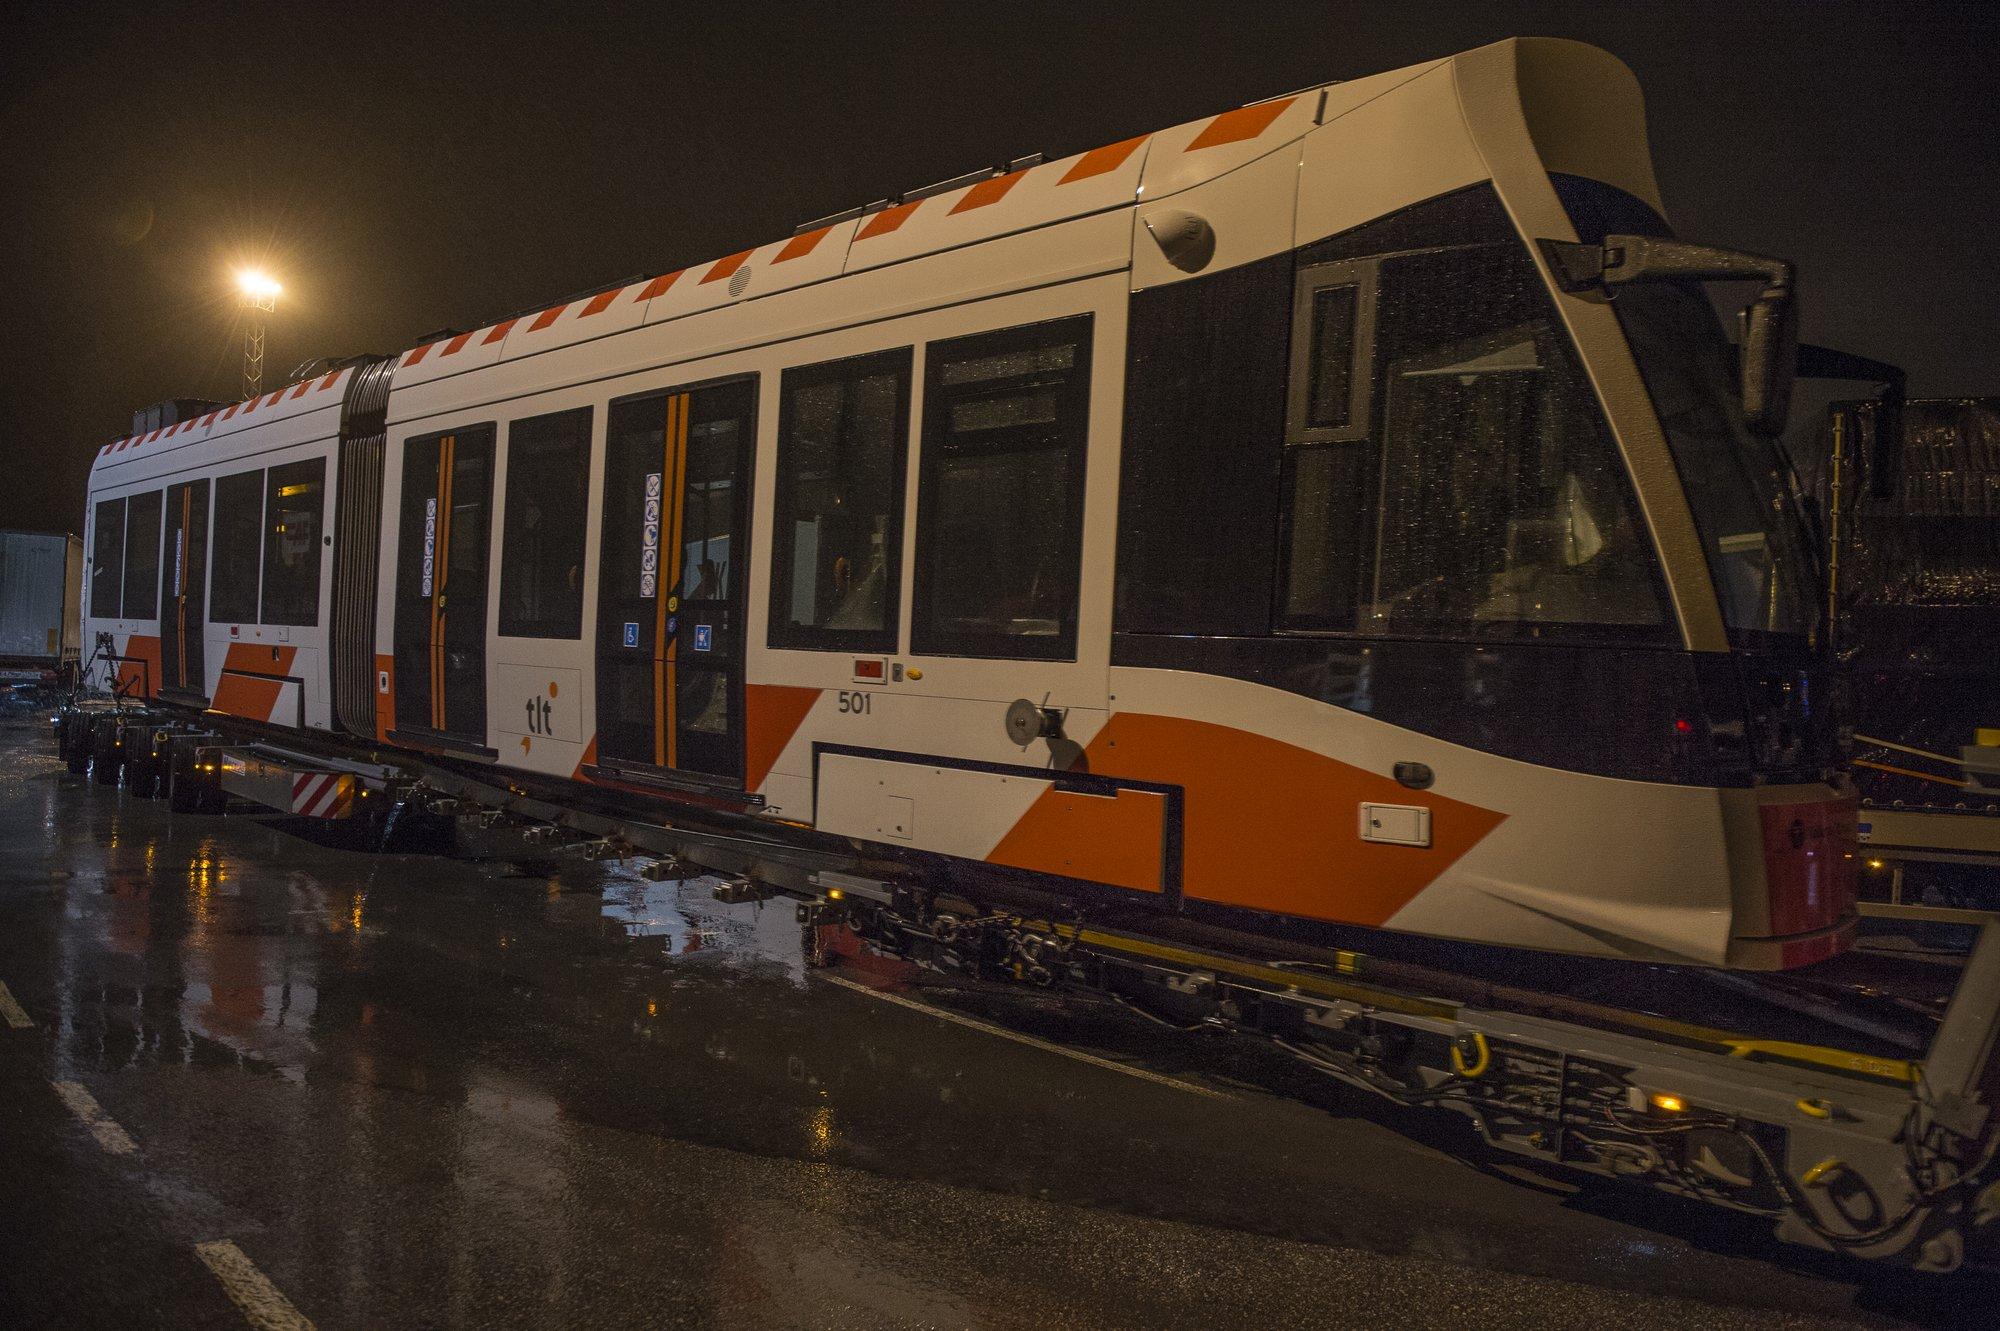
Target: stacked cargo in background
{"points": [[1918, 590]]}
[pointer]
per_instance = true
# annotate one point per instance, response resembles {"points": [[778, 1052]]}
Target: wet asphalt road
{"points": [[417, 1091]]}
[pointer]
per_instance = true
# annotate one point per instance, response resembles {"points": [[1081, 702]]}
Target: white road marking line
{"points": [[81, 1103], [1005, 1034], [12, 1010], [263, 1306]]}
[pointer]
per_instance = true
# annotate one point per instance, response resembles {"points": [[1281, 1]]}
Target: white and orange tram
{"points": [[1338, 510]]}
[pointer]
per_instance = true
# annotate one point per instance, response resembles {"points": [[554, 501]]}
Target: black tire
{"points": [[142, 773], [106, 758], [71, 743], [179, 778], [189, 790]]}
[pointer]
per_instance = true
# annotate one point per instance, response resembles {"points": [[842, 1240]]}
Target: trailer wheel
{"points": [[72, 742], [142, 767], [189, 789], [106, 758]]}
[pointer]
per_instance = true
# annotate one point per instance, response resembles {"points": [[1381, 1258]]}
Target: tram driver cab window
{"points": [[1500, 503]]}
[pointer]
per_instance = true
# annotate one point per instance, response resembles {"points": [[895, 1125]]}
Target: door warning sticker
{"points": [[649, 545]]}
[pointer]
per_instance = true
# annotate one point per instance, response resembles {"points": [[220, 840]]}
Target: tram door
{"points": [[441, 585], [672, 581], [183, 588]]}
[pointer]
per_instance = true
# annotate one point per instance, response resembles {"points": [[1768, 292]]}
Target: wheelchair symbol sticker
{"points": [[703, 637]]}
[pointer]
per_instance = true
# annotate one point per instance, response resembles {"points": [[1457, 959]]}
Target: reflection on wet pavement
{"points": [[426, 1091]]}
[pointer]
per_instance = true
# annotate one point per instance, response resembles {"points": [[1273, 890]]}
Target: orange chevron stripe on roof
{"points": [[1099, 161], [882, 223], [986, 192], [1245, 122]]}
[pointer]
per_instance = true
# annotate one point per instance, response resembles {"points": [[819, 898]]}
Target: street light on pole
{"points": [[260, 297]]}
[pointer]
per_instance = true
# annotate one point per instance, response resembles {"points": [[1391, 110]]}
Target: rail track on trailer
{"points": [[1848, 1130]]}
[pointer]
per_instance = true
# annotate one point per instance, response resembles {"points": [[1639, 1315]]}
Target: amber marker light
{"points": [[1668, 1104]]}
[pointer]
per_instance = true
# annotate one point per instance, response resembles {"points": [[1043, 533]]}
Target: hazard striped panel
{"points": [[323, 794]]}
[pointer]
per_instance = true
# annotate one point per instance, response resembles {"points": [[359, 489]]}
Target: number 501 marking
{"points": [[857, 702]]}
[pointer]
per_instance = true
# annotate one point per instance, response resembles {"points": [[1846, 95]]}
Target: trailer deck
{"points": [[1854, 1116]]}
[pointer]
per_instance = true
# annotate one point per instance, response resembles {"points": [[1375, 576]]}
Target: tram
{"points": [[1343, 510]]}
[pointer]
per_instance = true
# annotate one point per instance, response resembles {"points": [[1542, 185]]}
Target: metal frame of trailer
{"points": [[1879, 1158]]}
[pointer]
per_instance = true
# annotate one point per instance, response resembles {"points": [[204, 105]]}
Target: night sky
{"points": [[414, 167]]}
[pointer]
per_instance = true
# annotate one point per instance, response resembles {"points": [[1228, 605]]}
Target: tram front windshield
{"points": [[1739, 485]]}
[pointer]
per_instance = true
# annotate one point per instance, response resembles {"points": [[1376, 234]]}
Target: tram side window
{"points": [[142, 556], [541, 544], [843, 436], [107, 558], [294, 507], [239, 529], [1199, 470], [1000, 497]]}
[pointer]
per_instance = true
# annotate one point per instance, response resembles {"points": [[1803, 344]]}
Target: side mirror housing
{"points": [[1769, 360], [1769, 348]]}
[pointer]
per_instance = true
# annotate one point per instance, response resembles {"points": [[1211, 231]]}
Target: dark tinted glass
{"points": [[294, 509], [1000, 523], [107, 559], [541, 547], [708, 510], [842, 434], [1205, 382], [239, 530], [1326, 516], [1505, 506], [1332, 356], [1739, 485], [142, 556]]}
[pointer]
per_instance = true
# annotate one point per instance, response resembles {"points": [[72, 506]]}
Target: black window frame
{"points": [[107, 567], [276, 477], [781, 632], [1079, 330], [572, 428], [1351, 441], [220, 563], [1362, 276], [142, 601]]}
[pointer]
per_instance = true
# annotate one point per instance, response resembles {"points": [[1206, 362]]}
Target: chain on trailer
{"points": [[1879, 1158]]}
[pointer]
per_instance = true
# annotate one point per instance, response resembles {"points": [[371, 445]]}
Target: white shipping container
{"points": [[41, 587]]}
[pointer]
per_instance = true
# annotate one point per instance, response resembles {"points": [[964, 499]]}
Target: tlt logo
{"points": [[538, 716]]}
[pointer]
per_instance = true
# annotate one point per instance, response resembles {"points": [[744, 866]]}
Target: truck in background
{"points": [[41, 602]]}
